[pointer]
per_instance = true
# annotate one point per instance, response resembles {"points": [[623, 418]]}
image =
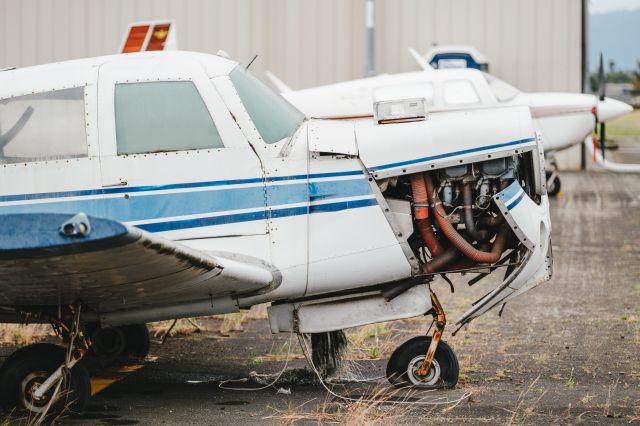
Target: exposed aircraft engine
{"points": [[457, 226]]}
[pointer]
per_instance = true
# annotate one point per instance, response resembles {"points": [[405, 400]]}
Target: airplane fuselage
{"points": [[565, 119]]}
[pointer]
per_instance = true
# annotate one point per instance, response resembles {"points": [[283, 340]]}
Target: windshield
{"points": [[273, 116], [504, 92]]}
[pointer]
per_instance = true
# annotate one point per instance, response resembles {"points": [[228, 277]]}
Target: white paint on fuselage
{"points": [[564, 118]]}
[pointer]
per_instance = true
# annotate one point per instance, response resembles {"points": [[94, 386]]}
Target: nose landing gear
{"points": [[553, 183], [425, 362]]}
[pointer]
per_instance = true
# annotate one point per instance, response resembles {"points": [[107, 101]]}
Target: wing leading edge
{"points": [[111, 267]]}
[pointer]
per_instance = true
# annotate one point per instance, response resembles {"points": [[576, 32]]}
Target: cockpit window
{"points": [[43, 126], [503, 92], [162, 116], [273, 116]]}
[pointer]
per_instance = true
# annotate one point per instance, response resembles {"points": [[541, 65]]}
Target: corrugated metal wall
{"points": [[534, 44]]}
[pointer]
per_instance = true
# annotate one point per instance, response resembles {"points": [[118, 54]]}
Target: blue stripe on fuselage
{"points": [[140, 206], [130, 190], [176, 225]]}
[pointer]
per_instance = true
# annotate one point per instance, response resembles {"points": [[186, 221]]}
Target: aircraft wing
{"points": [[53, 259]]}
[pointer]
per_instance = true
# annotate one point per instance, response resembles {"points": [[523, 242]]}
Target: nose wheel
{"points": [[425, 362], [403, 369]]}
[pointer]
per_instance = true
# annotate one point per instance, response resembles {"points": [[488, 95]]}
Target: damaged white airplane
{"points": [[160, 185]]}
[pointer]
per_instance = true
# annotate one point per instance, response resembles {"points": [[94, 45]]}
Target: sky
{"points": [[615, 31], [604, 6]]}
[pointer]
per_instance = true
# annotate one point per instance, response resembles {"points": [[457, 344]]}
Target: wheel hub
{"points": [[432, 377], [28, 386]]}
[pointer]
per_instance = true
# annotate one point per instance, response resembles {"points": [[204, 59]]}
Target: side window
{"points": [[162, 116], [460, 92], [43, 126]]}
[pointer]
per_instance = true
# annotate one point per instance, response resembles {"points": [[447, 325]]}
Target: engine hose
{"points": [[439, 263], [420, 199], [457, 240], [467, 194], [458, 263]]}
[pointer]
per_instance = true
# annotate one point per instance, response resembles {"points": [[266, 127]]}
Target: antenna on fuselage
{"points": [[251, 62]]}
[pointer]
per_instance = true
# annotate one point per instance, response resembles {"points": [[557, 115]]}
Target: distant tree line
{"points": [[617, 76]]}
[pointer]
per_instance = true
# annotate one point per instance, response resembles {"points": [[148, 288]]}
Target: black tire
{"points": [[40, 360], [555, 187], [108, 343], [138, 340], [412, 352]]}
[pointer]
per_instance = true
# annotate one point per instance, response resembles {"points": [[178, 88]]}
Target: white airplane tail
{"points": [[420, 60], [146, 36], [280, 85]]}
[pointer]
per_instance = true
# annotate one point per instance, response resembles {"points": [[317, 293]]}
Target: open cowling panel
{"points": [[474, 207]]}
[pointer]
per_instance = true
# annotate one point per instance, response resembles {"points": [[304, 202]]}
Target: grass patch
{"points": [[501, 374], [280, 353], [228, 323], [628, 125], [570, 383], [372, 341], [541, 358]]}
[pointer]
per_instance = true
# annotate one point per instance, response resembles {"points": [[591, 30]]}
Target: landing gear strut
{"points": [[46, 378], [425, 362]]}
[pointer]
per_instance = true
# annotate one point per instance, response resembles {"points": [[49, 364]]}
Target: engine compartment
{"points": [[456, 225]]}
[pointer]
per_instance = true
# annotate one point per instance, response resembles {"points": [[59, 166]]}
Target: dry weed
{"points": [[523, 410], [372, 341], [229, 322], [183, 327], [21, 335], [381, 405]]}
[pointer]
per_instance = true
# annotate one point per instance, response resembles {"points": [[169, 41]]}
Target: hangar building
{"points": [[536, 45]]}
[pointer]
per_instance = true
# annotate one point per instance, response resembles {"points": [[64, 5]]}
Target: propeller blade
{"points": [[601, 82], [602, 139]]}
